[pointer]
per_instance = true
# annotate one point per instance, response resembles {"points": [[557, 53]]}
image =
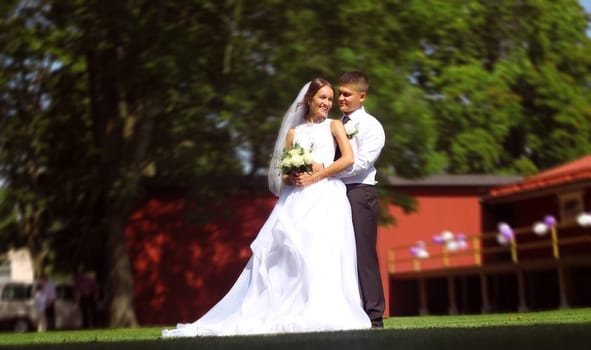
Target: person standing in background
{"points": [[49, 296], [40, 304], [87, 296]]}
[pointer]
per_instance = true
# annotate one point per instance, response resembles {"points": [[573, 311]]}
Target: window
{"points": [[5, 270], [571, 205], [17, 292]]}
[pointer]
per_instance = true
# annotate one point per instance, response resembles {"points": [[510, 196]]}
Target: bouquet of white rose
{"points": [[296, 159]]}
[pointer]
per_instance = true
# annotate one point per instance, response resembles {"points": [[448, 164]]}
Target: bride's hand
{"points": [[305, 179], [290, 179]]}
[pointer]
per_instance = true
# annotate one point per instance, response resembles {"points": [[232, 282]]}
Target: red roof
{"points": [[569, 172]]}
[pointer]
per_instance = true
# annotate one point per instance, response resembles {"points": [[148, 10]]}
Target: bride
{"points": [[302, 275]]}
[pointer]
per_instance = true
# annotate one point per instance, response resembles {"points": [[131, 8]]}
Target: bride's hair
{"points": [[294, 116]]}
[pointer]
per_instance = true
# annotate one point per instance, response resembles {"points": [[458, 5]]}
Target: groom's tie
{"points": [[337, 151]]}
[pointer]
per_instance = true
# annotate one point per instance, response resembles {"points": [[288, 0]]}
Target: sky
{"points": [[587, 5]]}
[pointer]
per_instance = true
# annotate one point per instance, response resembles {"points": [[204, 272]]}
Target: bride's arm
{"points": [[338, 132]]}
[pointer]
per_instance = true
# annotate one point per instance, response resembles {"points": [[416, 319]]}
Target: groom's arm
{"points": [[370, 146]]}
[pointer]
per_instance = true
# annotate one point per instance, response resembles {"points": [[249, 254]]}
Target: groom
{"points": [[367, 140]]}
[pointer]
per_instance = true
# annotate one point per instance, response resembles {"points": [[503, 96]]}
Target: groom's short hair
{"points": [[356, 78]]}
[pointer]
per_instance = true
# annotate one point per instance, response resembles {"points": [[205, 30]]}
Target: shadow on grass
{"points": [[536, 337]]}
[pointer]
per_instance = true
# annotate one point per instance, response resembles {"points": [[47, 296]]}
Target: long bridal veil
{"points": [[294, 116]]}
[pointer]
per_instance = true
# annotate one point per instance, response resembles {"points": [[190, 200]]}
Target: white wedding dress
{"points": [[302, 275]]}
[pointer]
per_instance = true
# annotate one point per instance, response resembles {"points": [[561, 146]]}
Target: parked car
{"points": [[18, 312]]}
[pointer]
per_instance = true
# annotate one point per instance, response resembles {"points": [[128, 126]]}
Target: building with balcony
{"points": [[544, 262]]}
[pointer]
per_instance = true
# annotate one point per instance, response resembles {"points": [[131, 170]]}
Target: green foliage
{"points": [[508, 81]]}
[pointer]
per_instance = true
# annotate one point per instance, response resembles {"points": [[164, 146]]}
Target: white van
{"points": [[18, 312]]}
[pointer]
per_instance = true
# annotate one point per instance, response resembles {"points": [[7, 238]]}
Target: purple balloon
{"points": [[414, 250], [437, 239], [505, 231], [461, 237], [550, 220]]}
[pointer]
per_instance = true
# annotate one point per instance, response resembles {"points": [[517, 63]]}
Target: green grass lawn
{"points": [[556, 330]]}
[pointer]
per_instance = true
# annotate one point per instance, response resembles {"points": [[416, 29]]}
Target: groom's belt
{"points": [[358, 185]]}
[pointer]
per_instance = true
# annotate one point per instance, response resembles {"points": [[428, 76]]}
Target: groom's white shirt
{"points": [[367, 146]]}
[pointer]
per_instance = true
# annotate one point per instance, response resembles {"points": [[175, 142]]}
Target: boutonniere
{"points": [[351, 129]]}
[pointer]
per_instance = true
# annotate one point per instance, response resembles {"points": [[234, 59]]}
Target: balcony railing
{"points": [[483, 248]]}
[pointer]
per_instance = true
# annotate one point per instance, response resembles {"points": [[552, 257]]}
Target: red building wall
{"points": [[441, 208], [186, 256]]}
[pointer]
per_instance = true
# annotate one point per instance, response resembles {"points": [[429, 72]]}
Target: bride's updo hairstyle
{"points": [[315, 85]]}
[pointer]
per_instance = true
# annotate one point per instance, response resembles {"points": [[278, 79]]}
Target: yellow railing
{"points": [[399, 256]]}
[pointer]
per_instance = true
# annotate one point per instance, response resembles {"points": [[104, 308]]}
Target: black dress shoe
{"points": [[377, 324]]}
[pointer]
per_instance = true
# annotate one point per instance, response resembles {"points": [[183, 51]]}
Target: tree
{"points": [[114, 101], [508, 81]]}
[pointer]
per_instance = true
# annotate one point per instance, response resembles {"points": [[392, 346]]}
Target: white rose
{"points": [[351, 129], [285, 163], [297, 160], [294, 152], [308, 158]]}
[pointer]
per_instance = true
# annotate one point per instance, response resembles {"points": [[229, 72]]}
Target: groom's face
{"points": [[350, 98]]}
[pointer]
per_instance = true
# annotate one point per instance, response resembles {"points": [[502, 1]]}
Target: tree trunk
{"points": [[119, 281], [114, 204], [31, 226]]}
